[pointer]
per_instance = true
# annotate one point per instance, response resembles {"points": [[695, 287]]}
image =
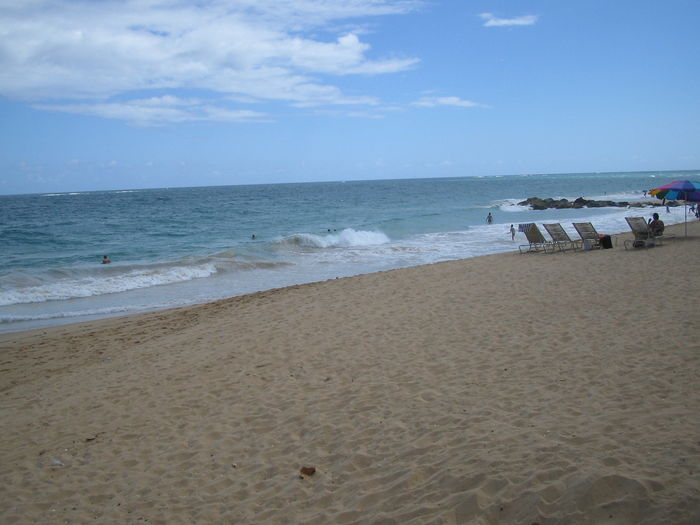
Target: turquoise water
{"points": [[180, 246]]}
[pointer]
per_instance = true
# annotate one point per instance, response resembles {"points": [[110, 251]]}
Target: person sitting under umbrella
{"points": [[656, 226]]}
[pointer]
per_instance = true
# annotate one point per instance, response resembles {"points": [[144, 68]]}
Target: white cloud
{"points": [[370, 115], [432, 102], [493, 21], [346, 56], [239, 50], [157, 111]]}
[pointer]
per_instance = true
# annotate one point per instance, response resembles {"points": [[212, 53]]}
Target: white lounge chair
{"points": [[643, 236], [561, 239], [536, 240], [589, 237]]}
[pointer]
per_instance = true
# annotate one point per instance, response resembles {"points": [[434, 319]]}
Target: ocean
{"points": [[181, 246]]}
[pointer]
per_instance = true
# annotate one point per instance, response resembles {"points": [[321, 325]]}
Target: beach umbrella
{"points": [[684, 190]]}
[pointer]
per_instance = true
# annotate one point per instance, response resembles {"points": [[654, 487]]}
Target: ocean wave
{"points": [[99, 284], [6, 319], [623, 196], [26, 236], [344, 239], [509, 205]]}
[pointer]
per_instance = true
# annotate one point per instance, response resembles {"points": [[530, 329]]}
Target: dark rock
{"points": [[537, 203]]}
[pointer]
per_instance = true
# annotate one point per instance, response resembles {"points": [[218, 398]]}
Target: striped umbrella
{"points": [[682, 190]]}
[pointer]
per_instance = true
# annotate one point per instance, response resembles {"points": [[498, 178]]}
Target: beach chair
{"points": [[660, 237], [535, 239], [642, 235], [561, 239], [589, 237], [664, 237]]}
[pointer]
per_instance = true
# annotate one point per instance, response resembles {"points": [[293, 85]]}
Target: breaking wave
{"points": [[343, 239], [100, 284]]}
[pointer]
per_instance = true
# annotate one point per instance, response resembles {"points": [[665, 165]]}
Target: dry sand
{"points": [[510, 389]]}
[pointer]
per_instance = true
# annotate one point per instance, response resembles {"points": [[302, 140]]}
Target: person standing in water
{"points": [[512, 232], [106, 260], [489, 218]]}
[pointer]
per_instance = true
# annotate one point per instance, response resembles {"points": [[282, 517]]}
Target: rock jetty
{"points": [[536, 203]]}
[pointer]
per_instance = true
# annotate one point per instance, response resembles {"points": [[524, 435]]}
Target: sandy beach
{"points": [[505, 389]]}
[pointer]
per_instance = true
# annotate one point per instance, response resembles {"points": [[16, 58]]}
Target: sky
{"points": [[123, 94]]}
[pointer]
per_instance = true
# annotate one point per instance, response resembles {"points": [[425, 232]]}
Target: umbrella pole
{"points": [[685, 207]]}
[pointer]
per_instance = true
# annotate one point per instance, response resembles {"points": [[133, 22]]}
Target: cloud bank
{"points": [[491, 20], [165, 61], [431, 102]]}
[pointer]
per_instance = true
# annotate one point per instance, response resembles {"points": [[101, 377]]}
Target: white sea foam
{"points": [[99, 285], [64, 314], [344, 239], [623, 196], [510, 205]]}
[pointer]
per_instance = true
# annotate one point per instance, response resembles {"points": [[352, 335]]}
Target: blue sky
{"points": [[103, 94]]}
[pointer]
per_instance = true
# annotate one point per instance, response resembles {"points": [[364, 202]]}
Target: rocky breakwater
{"points": [[537, 203]]}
